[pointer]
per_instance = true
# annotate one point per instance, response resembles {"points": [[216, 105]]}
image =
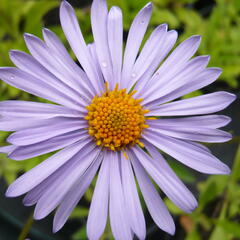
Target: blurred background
{"points": [[218, 21]]}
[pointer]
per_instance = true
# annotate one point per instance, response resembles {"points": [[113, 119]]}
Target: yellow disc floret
{"points": [[116, 119]]}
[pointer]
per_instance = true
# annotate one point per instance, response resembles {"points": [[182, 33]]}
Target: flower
{"points": [[111, 115]]}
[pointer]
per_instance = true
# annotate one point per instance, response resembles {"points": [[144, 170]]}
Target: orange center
{"points": [[116, 119]]}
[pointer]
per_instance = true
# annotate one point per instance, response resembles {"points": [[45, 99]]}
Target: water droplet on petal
{"points": [[104, 64], [12, 77], [133, 75], [142, 22]]}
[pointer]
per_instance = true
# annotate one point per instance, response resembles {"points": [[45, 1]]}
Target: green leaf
{"points": [[211, 189], [219, 234], [172, 207], [79, 212], [80, 234], [230, 227], [182, 171], [193, 94], [35, 15], [193, 235], [236, 166]]}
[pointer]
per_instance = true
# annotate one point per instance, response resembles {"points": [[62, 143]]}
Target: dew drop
{"points": [[142, 22], [133, 75], [104, 64], [12, 77]]}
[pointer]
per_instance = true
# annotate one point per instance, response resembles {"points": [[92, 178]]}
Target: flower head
{"points": [[116, 120], [112, 114]]}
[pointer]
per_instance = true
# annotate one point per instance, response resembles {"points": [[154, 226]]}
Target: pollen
{"points": [[116, 119]]}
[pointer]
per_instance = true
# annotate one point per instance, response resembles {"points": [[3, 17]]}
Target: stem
{"points": [[26, 229]]}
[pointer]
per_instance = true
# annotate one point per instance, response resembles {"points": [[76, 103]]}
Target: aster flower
{"points": [[113, 116]]}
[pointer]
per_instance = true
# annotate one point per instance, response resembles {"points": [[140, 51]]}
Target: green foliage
{"points": [[219, 206], [18, 17]]}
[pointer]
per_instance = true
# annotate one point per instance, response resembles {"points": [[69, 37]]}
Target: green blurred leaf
{"points": [[212, 188], [34, 16], [80, 234], [172, 207], [219, 234], [79, 212], [193, 235], [230, 227], [236, 166], [183, 172]]}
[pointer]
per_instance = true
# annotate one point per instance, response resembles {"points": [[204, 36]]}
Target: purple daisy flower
{"points": [[113, 116]]}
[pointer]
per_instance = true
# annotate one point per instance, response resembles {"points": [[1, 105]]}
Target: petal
{"points": [[174, 63], [187, 153], [193, 133], [16, 124], [45, 56], [74, 195], [155, 205], [38, 110], [208, 121], [132, 202], [74, 36], [47, 129], [98, 212], [54, 195], [36, 193], [93, 53], [53, 42], [46, 69], [33, 85], [204, 104], [47, 146], [7, 149], [134, 40], [166, 47], [200, 146], [99, 20], [203, 79], [149, 54], [190, 71], [115, 40], [167, 180], [118, 215], [32, 178]]}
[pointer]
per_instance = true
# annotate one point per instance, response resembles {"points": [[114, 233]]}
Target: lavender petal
{"points": [[58, 190], [133, 205], [167, 180], [204, 104], [119, 223], [47, 146], [155, 205], [98, 212], [32, 178], [115, 38], [99, 22], [74, 36], [47, 129], [134, 40], [33, 85], [188, 154], [27, 109], [74, 195]]}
